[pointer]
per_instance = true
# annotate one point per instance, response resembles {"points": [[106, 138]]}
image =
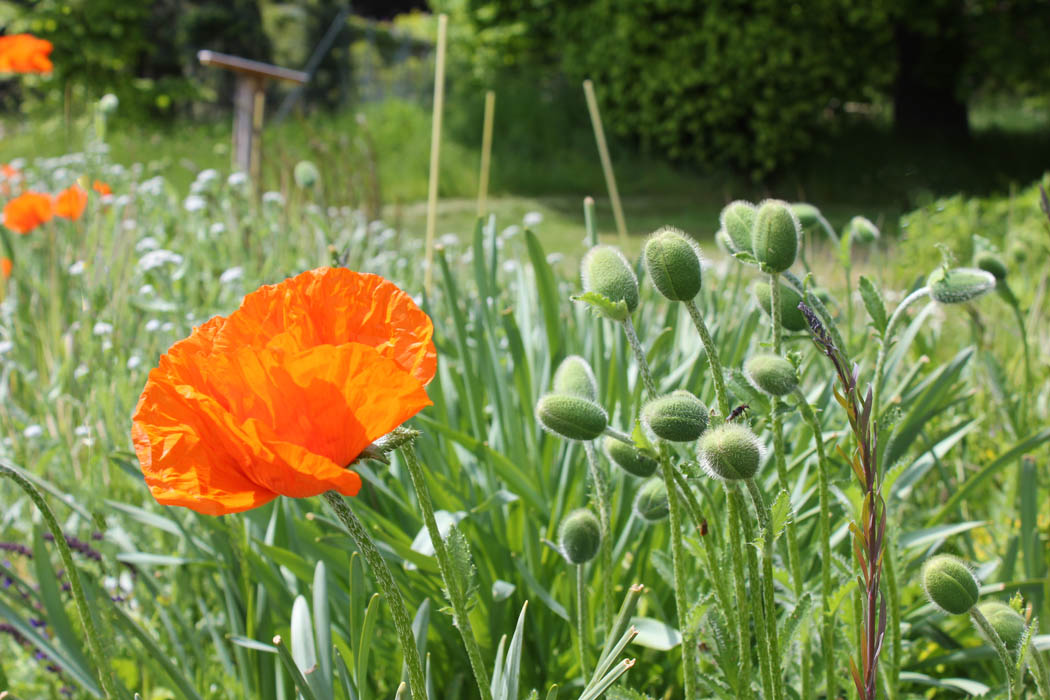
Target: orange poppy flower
{"points": [[24, 53], [70, 202], [8, 175], [27, 211], [102, 188], [5, 268], [282, 395]]}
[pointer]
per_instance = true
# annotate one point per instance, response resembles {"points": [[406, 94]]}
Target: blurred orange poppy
{"points": [[102, 188], [24, 53], [27, 211], [5, 268], [282, 395], [8, 175], [70, 202]]}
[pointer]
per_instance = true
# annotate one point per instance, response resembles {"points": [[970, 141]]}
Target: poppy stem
{"points": [[456, 596], [381, 572], [98, 650]]}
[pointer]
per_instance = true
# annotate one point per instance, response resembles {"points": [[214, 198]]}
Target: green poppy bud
{"points": [[991, 263], [605, 270], [575, 378], [1006, 622], [651, 502], [579, 536], [949, 584], [672, 260], [772, 374], [306, 174], [808, 215], [775, 236], [730, 452], [862, 230], [1019, 251], [571, 417], [738, 219], [630, 459], [790, 315], [677, 417], [959, 285], [108, 103]]}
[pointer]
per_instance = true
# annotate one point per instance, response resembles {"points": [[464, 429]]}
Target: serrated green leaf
{"points": [[604, 306], [874, 304], [462, 563], [781, 513]]}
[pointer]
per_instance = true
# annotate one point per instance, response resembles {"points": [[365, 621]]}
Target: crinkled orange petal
{"points": [[224, 429], [70, 202], [6, 266], [102, 188], [25, 53], [27, 211], [334, 306]]}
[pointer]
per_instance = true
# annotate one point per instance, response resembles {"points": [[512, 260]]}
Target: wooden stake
{"points": [[435, 150], [603, 153], [486, 151]]}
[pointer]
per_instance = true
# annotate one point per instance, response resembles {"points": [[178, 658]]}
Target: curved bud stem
{"points": [[887, 340], [601, 495], [1000, 648], [712, 357]]}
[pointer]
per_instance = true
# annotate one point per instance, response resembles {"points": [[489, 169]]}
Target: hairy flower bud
{"points": [[861, 230], [571, 417], [579, 536], [738, 219], [651, 502], [108, 103], [676, 417], [775, 236], [672, 260], [730, 452], [605, 270], [1006, 622], [630, 459], [949, 584], [772, 374], [959, 285], [790, 315], [807, 214], [306, 174], [992, 264], [575, 378]]}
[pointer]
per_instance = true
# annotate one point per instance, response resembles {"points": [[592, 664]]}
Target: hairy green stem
{"points": [[675, 523], [767, 584], [601, 494], [823, 470], [712, 358], [743, 628], [402, 622], [761, 609], [581, 602], [94, 639], [890, 569], [1041, 670], [457, 597], [887, 340], [1000, 649]]}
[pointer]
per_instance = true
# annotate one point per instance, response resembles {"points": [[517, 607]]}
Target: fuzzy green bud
{"points": [[790, 315], [630, 459], [575, 378], [571, 417], [306, 174], [772, 374], [862, 230], [959, 285], [108, 104], [579, 536], [949, 584], [651, 502], [1006, 622], [605, 271], [738, 219], [808, 215], [775, 236], [991, 263], [672, 260], [730, 452], [677, 417]]}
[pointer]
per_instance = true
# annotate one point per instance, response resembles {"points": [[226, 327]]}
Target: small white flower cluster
{"points": [[158, 258]]}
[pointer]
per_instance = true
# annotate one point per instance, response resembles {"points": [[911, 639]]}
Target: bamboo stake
{"points": [[435, 150], [603, 153], [486, 151]]}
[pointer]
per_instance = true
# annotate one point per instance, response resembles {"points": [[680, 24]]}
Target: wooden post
{"points": [[249, 102], [435, 150], [486, 151], [603, 154]]}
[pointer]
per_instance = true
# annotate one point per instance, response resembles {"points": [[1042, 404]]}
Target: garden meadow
{"points": [[255, 447]]}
